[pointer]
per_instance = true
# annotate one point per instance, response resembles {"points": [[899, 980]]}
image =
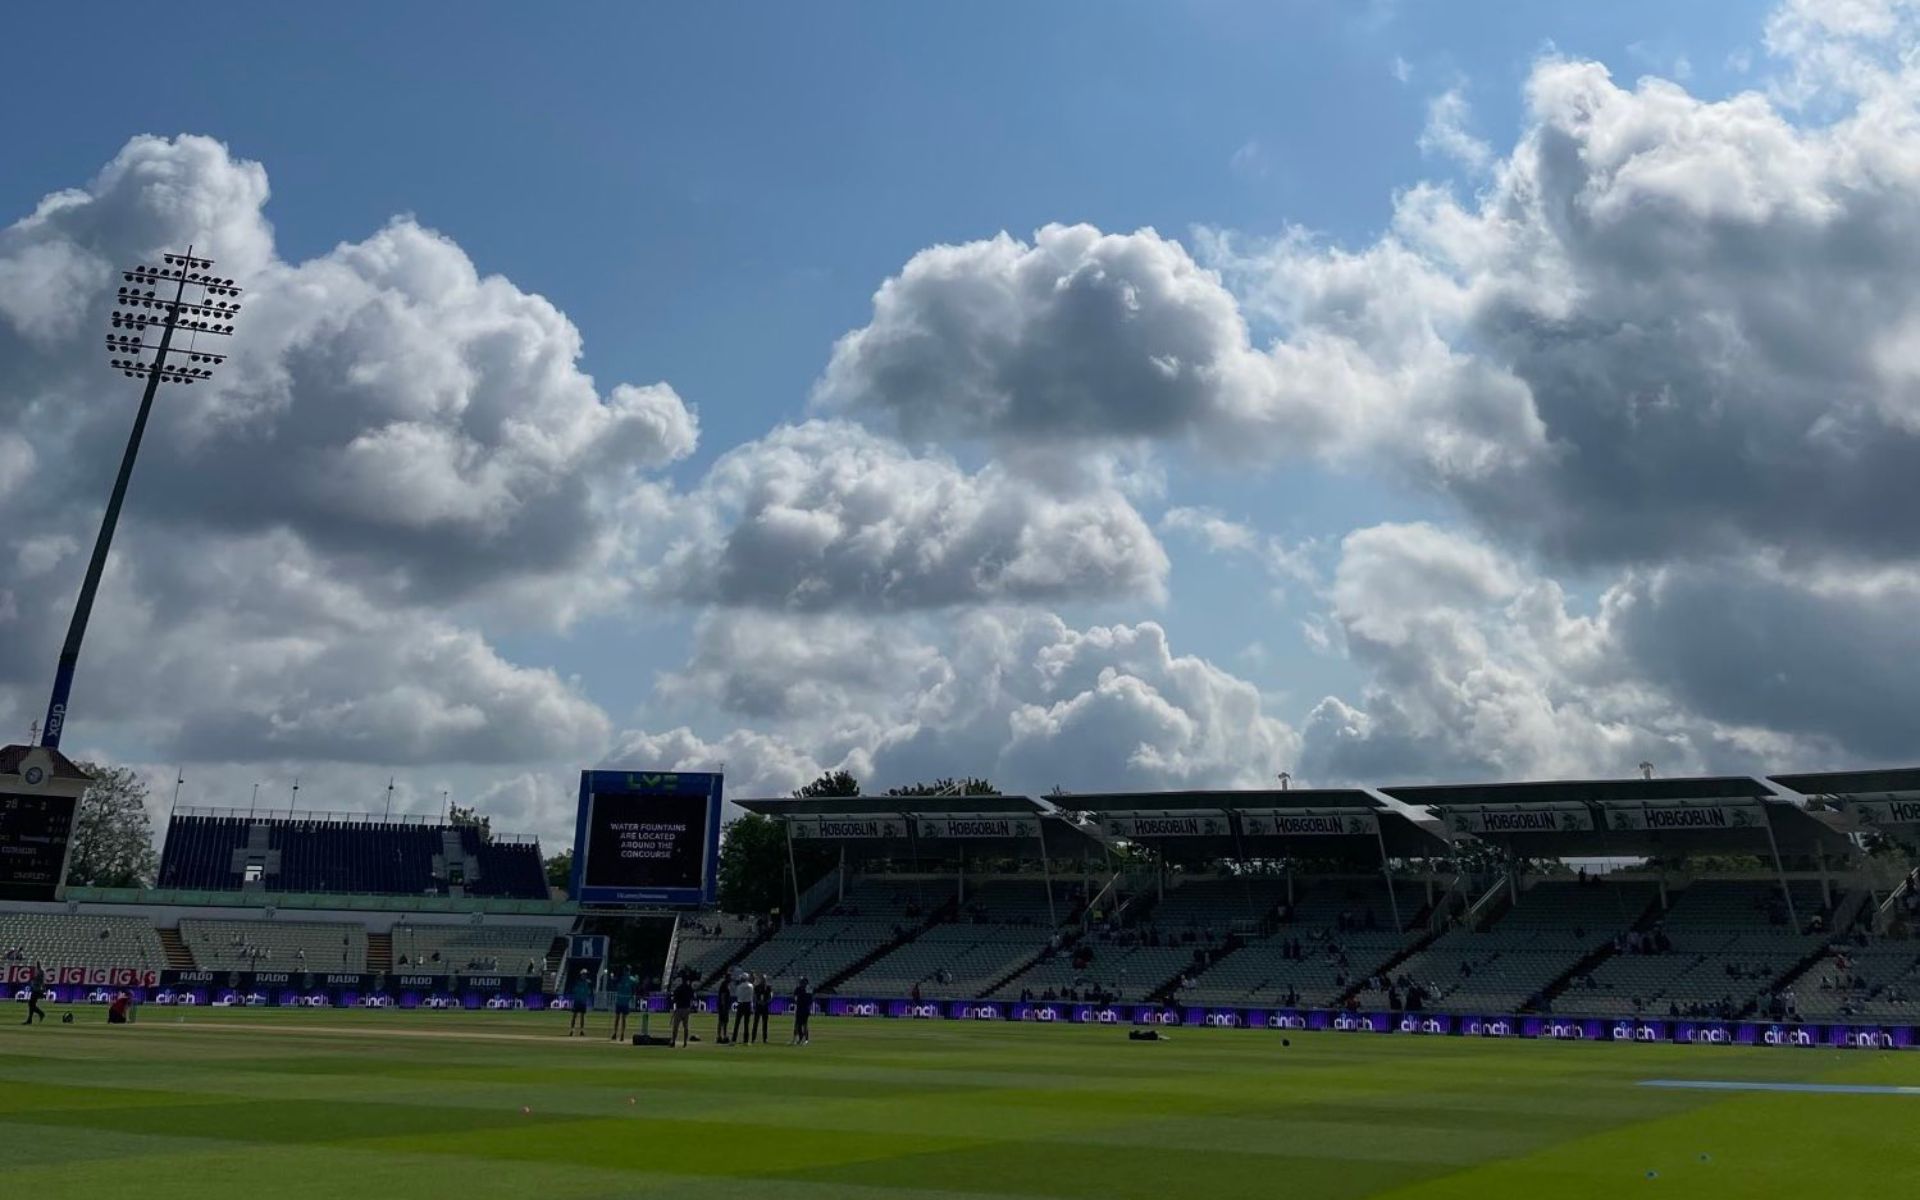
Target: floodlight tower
{"points": [[141, 307]]}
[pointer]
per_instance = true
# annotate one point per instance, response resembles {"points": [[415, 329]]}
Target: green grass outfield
{"points": [[285, 1104]]}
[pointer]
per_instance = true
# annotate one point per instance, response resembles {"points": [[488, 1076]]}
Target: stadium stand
{"points": [[1195, 924], [439, 949], [708, 941], [1721, 947], [1506, 966], [1115, 968], [330, 854], [1325, 945], [1878, 981], [874, 914], [1243, 904], [1004, 926], [506, 869], [275, 945], [74, 940]]}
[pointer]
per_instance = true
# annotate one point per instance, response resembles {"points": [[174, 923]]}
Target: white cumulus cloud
{"points": [[826, 515]]}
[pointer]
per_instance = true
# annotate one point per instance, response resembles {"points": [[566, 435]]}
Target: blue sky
{"points": [[712, 194]]}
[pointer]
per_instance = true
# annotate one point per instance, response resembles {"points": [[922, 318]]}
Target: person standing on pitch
{"points": [[802, 1009], [724, 1002], [743, 1009], [582, 997], [682, 1028], [36, 988], [762, 1007], [622, 1003]]}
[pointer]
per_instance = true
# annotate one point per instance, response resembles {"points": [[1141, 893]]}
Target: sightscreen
{"points": [[646, 838]]}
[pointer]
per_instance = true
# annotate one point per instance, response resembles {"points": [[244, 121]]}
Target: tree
{"points": [[755, 873], [1886, 847], [833, 783], [1713, 863], [753, 866], [560, 870], [972, 785], [459, 817], [112, 843]]}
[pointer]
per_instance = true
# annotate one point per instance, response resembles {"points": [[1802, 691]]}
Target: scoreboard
{"points": [[646, 837], [34, 828]]}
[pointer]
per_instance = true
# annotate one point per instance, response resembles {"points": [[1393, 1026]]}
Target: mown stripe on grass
{"points": [[277, 1121], [675, 1146], [1141, 1172]]}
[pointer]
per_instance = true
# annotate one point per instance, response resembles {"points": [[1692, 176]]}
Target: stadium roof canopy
{"points": [[1261, 824], [1900, 782], [1608, 818], [1590, 791], [788, 806], [1866, 801], [1098, 802], [929, 827]]}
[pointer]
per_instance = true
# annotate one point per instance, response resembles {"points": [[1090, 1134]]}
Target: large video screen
{"points": [[33, 844], [646, 838]]}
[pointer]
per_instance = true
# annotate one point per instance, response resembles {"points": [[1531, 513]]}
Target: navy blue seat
{"points": [[359, 857]]}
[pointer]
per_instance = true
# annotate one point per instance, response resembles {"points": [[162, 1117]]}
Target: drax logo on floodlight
{"points": [[141, 345]]}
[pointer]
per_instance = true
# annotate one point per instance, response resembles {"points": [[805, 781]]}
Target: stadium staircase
{"points": [[1355, 987], [556, 958], [1805, 966], [1850, 909], [1445, 903], [942, 913], [1169, 990], [1427, 914], [1068, 939], [1853, 906], [1648, 918], [1425, 923], [1892, 906], [733, 960], [1492, 904], [179, 957], [380, 953]]}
